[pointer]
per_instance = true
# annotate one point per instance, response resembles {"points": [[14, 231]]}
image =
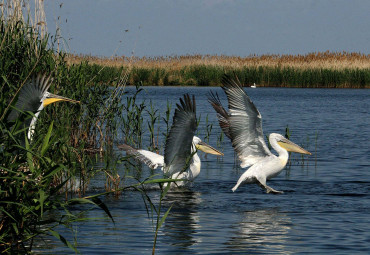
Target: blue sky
{"points": [[218, 27]]}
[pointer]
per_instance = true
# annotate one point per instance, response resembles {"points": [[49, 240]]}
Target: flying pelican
{"points": [[34, 97], [181, 145], [243, 125]]}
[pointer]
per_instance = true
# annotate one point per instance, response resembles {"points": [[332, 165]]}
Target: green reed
{"points": [[154, 116], [264, 76], [166, 120], [132, 120], [44, 175], [29, 193], [208, 130], [220, 140], [34, 175]]}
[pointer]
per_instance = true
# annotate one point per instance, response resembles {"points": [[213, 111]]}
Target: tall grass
{"points": [[54, 170], [315, 70], [44, 175], [29, 193], [34, 175]]}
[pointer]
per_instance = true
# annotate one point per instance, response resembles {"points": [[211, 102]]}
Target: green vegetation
{"points": [[203, 75], [34, 175], [318, 71], [41, 180]]}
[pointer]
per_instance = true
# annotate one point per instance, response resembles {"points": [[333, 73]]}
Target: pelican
{"points": [[181, 145], [243, 125], [34, 97]]}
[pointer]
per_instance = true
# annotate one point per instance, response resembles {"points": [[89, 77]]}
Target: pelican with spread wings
{"points": [[181, 146], [33, 97], [243, 125]]}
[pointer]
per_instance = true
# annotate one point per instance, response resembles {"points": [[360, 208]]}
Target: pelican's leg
{"points": [[268, 189]]}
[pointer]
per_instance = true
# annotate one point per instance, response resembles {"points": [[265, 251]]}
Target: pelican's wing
{"points": [[30, 95], [179, 141], [151, 159], [222, 114], [245, 124]]}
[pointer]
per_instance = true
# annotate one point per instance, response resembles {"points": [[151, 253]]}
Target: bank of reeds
{"points": [[315, 70], [41, 180]]}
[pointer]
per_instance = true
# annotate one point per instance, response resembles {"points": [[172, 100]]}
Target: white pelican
{"points": [[34, 97], [243, 125], [181, 145]]}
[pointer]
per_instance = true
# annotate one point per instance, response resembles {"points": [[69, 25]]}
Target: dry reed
{"points": [[317, 60]]}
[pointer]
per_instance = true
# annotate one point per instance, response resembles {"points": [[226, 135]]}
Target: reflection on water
{"points": [[182, 224], [262, 230]]}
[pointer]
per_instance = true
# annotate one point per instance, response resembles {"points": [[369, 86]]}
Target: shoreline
{"points": [[316, 70]]}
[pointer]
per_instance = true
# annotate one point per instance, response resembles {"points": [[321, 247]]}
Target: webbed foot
{"points": [[271, 190], [268, 189]]}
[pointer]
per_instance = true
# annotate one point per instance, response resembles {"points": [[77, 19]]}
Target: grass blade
{"points": [[45, 143]]}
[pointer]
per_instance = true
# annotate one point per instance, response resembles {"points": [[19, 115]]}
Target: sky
{"points": [[216, 27]]}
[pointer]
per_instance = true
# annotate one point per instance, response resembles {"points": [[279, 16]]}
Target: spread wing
{"points": [[245, 124], [179, 141], [151, 159], [222, 114], [30, 95]]}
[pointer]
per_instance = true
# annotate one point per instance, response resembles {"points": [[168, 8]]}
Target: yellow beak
{"points": [[290, 146], [208, 149], [56, 98]]}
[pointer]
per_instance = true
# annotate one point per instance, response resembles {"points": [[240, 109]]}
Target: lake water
{"points": [[325, 206]]}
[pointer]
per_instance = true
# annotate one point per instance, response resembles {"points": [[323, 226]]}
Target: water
{"points": [[325, 207]]}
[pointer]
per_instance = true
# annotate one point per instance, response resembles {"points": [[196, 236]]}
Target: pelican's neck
{"points": [[283, 153], [31, 129], [194, 167]]}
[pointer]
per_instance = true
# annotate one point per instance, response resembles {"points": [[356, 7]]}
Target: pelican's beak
{"points": [[55, 98], [208, 149], [290, 146]]}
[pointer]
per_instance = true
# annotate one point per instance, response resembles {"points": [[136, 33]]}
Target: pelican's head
{"points": [[200, 145], [286, 144], [50, 98]]}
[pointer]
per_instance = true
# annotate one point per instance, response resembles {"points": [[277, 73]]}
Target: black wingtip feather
{"points": [[229, 82], [187, 104]]}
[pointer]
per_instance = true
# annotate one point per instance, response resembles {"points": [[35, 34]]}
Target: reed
{"points": [[154, 116], [54, 171], [34, 175], [325, 60], [314, 70], [29, 193], [166, 120]]}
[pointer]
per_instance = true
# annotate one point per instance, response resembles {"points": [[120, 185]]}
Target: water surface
{"points": [[325, 207]]}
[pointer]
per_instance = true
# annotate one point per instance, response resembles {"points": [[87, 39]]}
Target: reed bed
{"points": [[314, 70], [327, 60], [43, 179]]}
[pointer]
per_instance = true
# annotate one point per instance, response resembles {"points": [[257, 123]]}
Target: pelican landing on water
{"points": [[243, 125], [34, 97], [181, 146]]}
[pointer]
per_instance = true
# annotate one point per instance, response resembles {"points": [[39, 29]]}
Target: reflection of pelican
{"points": [[183, 223], [181, 145], [34, 97], [243, 125], [254, 86], [261, 231]]}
